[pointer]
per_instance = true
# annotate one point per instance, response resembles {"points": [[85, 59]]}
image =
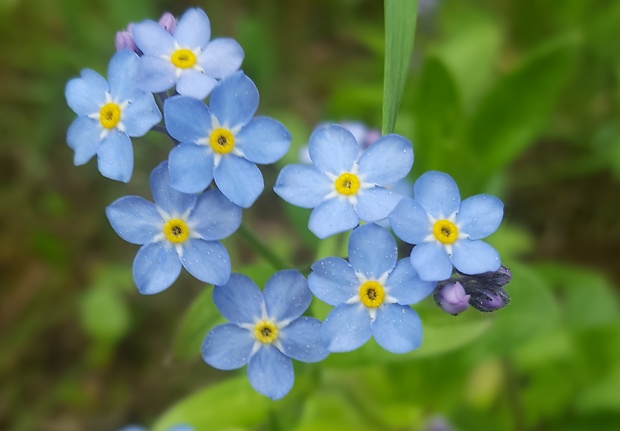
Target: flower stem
{"points": [[262, 249]]}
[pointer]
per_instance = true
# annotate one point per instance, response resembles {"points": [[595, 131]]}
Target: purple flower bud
{"points": [[169, 22], [488, 298], [452, 298], [124, 40]]}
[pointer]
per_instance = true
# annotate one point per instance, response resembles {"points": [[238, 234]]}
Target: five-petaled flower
{"points": [[371, 294], [186, 58], [343, 186], [178, 230], [108, 115], [267, 330], [445, 230], [223, 141]]}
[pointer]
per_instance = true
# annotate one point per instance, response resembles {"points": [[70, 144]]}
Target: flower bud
{"points": [[124, 40], [168, 22], [452, 298]]}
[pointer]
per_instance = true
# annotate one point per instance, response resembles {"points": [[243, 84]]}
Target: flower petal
{"points": [[141, 115], [155, 268], [134, 219], [83, 138], [397, 328], [372, 251], [437, 193], [122, 76], [480, 216], [287, 295], [152, 39], [410, 222], [239, 300], [115, 156], [386, 161], [302, 185], [208, 261], [86, 95], [431, 261], [405, 286], [234, 101], [302, 340], [271, 372], [263, 140], [156, 74], [187, 119], [376, 203], [193, 29], [333, 149], [333, 280], [168, 199], [332, 216], [222, 57], [346, 328], [240, 181], [474, 257], [191, 167], [214, 217], [195, 84], [227, 347]]}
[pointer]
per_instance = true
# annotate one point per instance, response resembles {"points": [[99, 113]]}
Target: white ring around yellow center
{"points": [[222, 140], [347, 184], [266, 331], [183, 58], [372, 294], [110, 115], [176, 231], [445, 231]]}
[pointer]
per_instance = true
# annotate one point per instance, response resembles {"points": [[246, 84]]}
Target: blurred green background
{"points": [[516, 98]]}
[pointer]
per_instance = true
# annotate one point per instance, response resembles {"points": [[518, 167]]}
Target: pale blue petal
{"points": [[437, 193], [333, 149], [83, 137], [397, 328], [214, 217], [431, 261], [234, 101], [410, 222], [302, 185], [156, 74], [263, 140], [271, 373], [155, 268], [152, 39], [141, 115], [227, 347], [208, 261], [286, 295], [193, 29], [480, 216], [196, 84], [372, 251], [134, 219], [122, 76], [386, 161], [168, 199], [187, 119], [86, 95], [191, 167], [405, 286], [333, 280], [302, 340], [346, 328], [332, 216], [240, 181], [474, 257], [115, 156], [222, 57], [376, 203], [240, 300]]}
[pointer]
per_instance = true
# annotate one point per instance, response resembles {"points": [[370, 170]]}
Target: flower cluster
{"points": [[355, 181]]}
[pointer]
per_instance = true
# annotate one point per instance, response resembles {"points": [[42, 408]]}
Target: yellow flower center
{"points": [[347, 184], [266, 331], [183, 58], [222, 140], [372, 294], [445, 231], [176, 231], [110, 115]]}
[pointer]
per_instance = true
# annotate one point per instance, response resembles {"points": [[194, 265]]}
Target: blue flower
{"points": [[343, 186], [108, 115], [178, 230], [445, 230], [223, 141], [266, 330], [364, 135], [186, 58], [371, 294]]}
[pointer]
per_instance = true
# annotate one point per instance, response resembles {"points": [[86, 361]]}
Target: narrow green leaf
{"points": [[400, 22]]}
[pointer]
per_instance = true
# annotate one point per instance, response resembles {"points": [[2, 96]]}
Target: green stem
{"points": [[262, 249]]}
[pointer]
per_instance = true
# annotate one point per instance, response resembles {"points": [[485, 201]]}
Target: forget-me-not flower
{"points": [[343, 186], [267, 330], [186, 58], [371, 294], [177, 230], [223, 141], [445, 230], [109, 113]]}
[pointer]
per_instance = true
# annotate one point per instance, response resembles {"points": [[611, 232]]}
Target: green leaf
{"points": [[331, 411], [400, 23], [602, 396], [104, 314]]}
